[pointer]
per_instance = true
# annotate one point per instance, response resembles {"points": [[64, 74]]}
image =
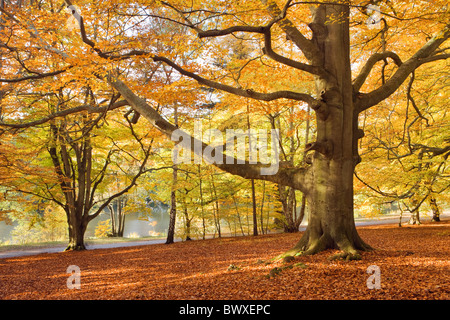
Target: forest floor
{"points": [[413, 262]]}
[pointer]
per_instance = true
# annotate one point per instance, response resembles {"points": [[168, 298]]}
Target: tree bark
{"points": [[173, 213], [255, 221], [173, 196], [77, 228], [216, 212], [202, 203], [250, 146], [415, 213], [117, 217], [435, 210], [331, 222], [262, 207]]}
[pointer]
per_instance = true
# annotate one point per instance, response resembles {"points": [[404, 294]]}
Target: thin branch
{"points": [[63, 113], [36, 76], [406, 195], [410, 97], [289, 62]]}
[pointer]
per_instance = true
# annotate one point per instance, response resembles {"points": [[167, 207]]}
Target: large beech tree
{"points": [[320, 33]]}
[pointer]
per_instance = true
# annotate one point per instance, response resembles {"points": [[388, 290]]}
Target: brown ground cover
{"points": [[413, 260]]}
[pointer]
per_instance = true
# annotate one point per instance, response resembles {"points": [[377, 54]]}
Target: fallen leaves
{"points": [[414, 264]]}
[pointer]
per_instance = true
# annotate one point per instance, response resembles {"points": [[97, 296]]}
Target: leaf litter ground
{"points": [[413, 260]]}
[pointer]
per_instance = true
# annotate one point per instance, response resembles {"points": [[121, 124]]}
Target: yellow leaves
{"points": [[103, 229]]}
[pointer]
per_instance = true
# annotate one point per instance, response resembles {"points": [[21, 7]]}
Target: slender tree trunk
{"points": [[173, 209], [250, 146], [113, 219], [415, 213], [262, 207], [117, 217], [238, 215], [188, 224], [216, 213], [202, 203], [287, 197], [328, 182], [121, 217], [173, 197], [435, 209], [187, 219], [255, 222], [415, 217]]}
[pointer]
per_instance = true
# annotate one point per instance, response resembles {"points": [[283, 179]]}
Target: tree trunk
{"points": [[262, 207], [121, 217], [173, 196], [187, 220], [238, 214], [287, 199], [77, 227], [435, 209], [250, 147], [415, 217], [201, 203], [331, 222], [216, 213], [173, 210], [415, 213], [255, 222]]}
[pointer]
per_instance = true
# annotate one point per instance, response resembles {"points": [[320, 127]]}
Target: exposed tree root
{"points": [[347, 256], [351, 250], [74, 247]]}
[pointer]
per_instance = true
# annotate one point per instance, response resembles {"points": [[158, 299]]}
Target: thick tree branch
{"points": [[361, 78], [244, 28], [63, 113], [298, 178], [422, 56], [230, 30], [216, 85], [237, 91], [309, 49]]}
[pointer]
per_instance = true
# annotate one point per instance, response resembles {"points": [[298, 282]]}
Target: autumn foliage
{"points": [[91, 93]]}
